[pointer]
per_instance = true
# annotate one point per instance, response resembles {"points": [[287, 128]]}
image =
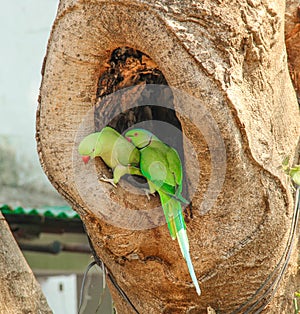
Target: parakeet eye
{"points": [[136, 134]]}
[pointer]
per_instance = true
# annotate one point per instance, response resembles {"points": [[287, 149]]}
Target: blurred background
{"points": [[49, 233], [25, 35]]}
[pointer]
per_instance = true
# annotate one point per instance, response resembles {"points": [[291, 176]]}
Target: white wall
{"points": [[61, 293]]}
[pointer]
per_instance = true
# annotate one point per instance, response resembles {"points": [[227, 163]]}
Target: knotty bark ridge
{"points": [[230, 56]]}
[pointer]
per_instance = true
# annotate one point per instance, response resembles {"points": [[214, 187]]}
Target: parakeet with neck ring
{"points": [[161, 166]]}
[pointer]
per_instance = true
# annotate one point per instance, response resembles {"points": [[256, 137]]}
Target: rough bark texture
{"points": [[19, 290], [230, 55], [292, 35]]}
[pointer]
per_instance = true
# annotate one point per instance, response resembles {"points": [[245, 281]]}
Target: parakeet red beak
{"points": [[128, 139], [86, 159]]}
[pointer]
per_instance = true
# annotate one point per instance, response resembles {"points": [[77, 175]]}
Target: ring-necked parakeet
{"points": [[161, 165], [118, 154]]}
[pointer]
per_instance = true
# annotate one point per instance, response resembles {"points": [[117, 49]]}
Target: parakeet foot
{"points": [[148, 193], [106, 179], [188, 210]]}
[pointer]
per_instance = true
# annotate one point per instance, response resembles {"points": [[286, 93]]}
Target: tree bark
{"points": [[292, 36], [230, 56], [19, 292]]}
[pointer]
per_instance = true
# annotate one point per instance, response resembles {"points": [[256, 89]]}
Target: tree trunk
{"points": [[226, 65], [292, 38], [19, 292]]}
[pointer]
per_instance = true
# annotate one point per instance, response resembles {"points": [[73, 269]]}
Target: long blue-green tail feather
{"points": [[166, 202], [176, 224], [182, 240]]}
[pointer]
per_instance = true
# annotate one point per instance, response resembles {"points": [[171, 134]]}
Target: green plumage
{"points": [[118, 154], [161, 165], [293, 172]]}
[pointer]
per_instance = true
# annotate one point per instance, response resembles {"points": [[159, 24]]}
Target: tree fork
{"points": [[231, 56]]}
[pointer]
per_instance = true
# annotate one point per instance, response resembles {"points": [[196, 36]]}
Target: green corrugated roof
{"points": [[62, 212]]}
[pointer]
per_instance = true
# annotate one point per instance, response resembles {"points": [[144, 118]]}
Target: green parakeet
{"points": [[161, 165], [118, 154], [293, 172]]}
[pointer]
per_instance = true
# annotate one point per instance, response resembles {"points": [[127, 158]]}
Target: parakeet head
{"points": [[90, 147], [139, 137]]}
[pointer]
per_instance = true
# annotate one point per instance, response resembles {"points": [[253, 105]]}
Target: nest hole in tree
{"points": [[133, 71], [128, 67]]}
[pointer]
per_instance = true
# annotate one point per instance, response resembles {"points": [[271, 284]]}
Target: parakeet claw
{"points": [[148, 193], [106, 179]]}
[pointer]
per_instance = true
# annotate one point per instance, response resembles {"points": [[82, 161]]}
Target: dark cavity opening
{"points": [[129, 67]]}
